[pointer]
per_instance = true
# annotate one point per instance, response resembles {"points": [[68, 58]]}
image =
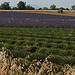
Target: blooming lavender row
{"points": [[22, 19]]}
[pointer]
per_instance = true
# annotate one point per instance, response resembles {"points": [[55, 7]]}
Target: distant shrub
{"points": [[60, 11], [67, 9]]}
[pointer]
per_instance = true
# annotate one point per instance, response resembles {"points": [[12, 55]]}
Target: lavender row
{"points": [[35, 20]]}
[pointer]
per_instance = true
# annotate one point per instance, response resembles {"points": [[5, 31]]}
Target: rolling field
{"points": [[39, 43]]}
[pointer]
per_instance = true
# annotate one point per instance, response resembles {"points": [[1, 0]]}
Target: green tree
{"points": [[67, 9], [57, 8], [30, 7], [14, 8], [53, 7], [73, 7], [40, 9], [45, 8], [5, 6], [21, 5], [62, 8]]}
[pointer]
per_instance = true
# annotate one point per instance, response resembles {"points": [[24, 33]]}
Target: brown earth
{"points": [[53, 12]]}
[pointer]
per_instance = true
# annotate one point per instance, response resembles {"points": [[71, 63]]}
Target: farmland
{"points": [[40, 41], [52, 12], [21, 19]]}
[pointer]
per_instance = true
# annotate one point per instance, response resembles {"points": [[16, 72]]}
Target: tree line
{"points": [[22, 6], [53, 7]]}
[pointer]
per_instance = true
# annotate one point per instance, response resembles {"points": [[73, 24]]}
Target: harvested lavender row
{"points": [[35, 20]]}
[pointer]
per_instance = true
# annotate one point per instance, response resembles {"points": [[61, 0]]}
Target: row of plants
{"points": [[40, 43], [22, 45]]}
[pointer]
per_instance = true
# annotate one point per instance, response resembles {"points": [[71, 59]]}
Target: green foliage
{"points": [[70, 47], [57, 8], [1, 45], [21, 5], [73, 7], [30, 7], [14, 8], [53, 7], [57, 59], [40, 9], [19, 42], [9, 46], [62, 8], [17, 54], [39, 43], [48, 45], [70, 60], [45, 8], [66, 8], [31, 49], [5, 6], [43, 50], [58, 41], [54, 51], [37, 56], [67, 53], [62, 60], [61, 46]]}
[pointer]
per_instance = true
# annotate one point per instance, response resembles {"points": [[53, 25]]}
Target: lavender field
{"points": [[22, 19], [36, 44]]}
